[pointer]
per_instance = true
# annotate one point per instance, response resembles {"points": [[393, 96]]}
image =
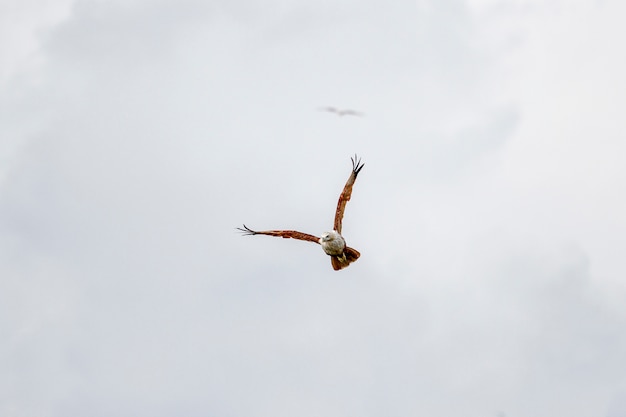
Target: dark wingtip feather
{"points": [[357, 166], [246, 230]]}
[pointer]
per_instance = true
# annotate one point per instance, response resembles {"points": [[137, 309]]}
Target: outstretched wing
{"points": [[329, 109], [287, 234], [350, 112], [347, 192]]}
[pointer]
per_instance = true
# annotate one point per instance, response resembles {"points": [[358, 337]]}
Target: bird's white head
{"points": [[330, 236]]}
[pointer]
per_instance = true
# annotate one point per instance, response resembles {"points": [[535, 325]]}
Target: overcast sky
{"points": [[136, 135]]}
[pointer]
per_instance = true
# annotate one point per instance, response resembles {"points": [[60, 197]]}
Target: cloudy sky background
{"points": [[136, 135]]}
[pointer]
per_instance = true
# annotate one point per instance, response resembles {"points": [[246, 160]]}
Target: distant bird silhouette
{"points": [[341, 112]]}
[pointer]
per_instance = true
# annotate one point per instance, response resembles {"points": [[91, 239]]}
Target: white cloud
{"points": [[22, 25]]}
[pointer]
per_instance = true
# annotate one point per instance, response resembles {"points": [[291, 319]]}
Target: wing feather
{"points": [[347, 192], [286, 234]]}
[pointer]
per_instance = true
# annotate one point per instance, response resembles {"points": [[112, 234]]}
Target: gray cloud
{"points": [[156, 128]]}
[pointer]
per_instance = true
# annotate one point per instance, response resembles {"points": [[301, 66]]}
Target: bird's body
{"points": [[333, 243], [341, 112], [340, 254]]}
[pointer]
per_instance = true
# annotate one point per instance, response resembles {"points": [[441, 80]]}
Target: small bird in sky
{"points": [[341, 112], [332, 242]]}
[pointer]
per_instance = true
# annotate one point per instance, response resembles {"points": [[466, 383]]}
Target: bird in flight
{"points": [[332, 242], [341, 112]]}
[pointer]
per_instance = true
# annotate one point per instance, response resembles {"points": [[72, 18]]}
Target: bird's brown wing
{"points": [[287, 234], [347, 192]]}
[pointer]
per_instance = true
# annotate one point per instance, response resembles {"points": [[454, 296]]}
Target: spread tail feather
{"points": [[349, 255]]}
